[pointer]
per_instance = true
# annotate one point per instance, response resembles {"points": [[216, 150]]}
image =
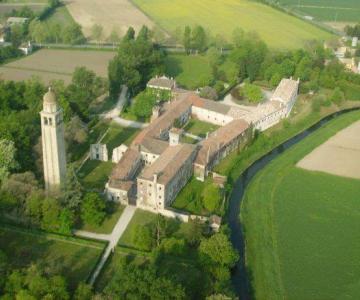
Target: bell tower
{"points": [[53, 144]]}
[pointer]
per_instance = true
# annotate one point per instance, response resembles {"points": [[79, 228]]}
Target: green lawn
{"points": [[277, 29], [199, 128], [94, 174], [301, 227], [190, 71], [72, 257], [108, 224], [190, 199], [326, 10], [118, 135], [141, 217]]}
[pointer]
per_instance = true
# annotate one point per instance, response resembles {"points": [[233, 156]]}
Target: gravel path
{"points": [[112, 238]]}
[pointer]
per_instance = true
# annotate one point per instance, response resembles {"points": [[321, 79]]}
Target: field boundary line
{"points": [[48, 236], [35, 70]]}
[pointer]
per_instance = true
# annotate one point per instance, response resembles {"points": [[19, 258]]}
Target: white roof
{"points": [[285, 90]]}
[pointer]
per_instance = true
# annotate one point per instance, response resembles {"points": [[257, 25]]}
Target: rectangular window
{"points": [[50, 121], [46, 121]]}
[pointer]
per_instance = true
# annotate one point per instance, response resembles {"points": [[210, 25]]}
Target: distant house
{"points": [[26, 48], [354, 41], [162, 83], [2, 34], [16, 21]]}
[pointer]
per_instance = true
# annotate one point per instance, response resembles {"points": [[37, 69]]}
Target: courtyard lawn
{"points": [[190, 199], [301, 227], [72, 257], [199, 128], [94, 174], [108, 224], [277, 29], [118, 135]]}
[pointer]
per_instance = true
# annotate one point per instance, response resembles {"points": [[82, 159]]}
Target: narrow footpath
{"points": [[115, 112], [112, 238]]}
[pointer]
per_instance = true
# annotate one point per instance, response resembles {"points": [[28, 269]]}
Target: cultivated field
{"points": [[301, 227], [278, 29], [340, 155], [51, 65], [326, 10], [118, 14]]}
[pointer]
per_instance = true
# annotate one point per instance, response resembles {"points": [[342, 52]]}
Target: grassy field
{"points": [[300, 227], [141, 217], [94, 174], [73, 258], [276, 28], [189, 71], [118, 135], [200, 128], [53, 64], [326, 10]]}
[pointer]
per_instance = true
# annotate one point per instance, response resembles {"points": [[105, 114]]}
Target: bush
{"points": [[93, 209], [251, 92]]}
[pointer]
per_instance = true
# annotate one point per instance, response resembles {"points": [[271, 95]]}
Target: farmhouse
{"points": [[162, 83], [16, 21]]}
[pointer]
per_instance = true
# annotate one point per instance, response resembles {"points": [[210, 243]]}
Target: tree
{"points": [[173, 246], [16, 35], [187, 39], [143, 104], [252, 93], [50, 212], [7, 158], [130, 34], [132, 281], [93, 209], [34, 206], [218, 250], [21, 185], [337, 96], [199, 39], [3, 269], [96, 32], [114, 37], [193, 232], [72, 34], [211, 197], [71, 191]]}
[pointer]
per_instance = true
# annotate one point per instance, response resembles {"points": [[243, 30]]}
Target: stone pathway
{"points": [[115, 112], [195, 137], [112, 238]]}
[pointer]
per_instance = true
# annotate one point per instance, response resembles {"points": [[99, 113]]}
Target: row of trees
{"points": [[137, 60], [353, 31]]}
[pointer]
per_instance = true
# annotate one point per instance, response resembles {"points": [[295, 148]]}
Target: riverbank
{"points": [[296, 227], [235, 165]]}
